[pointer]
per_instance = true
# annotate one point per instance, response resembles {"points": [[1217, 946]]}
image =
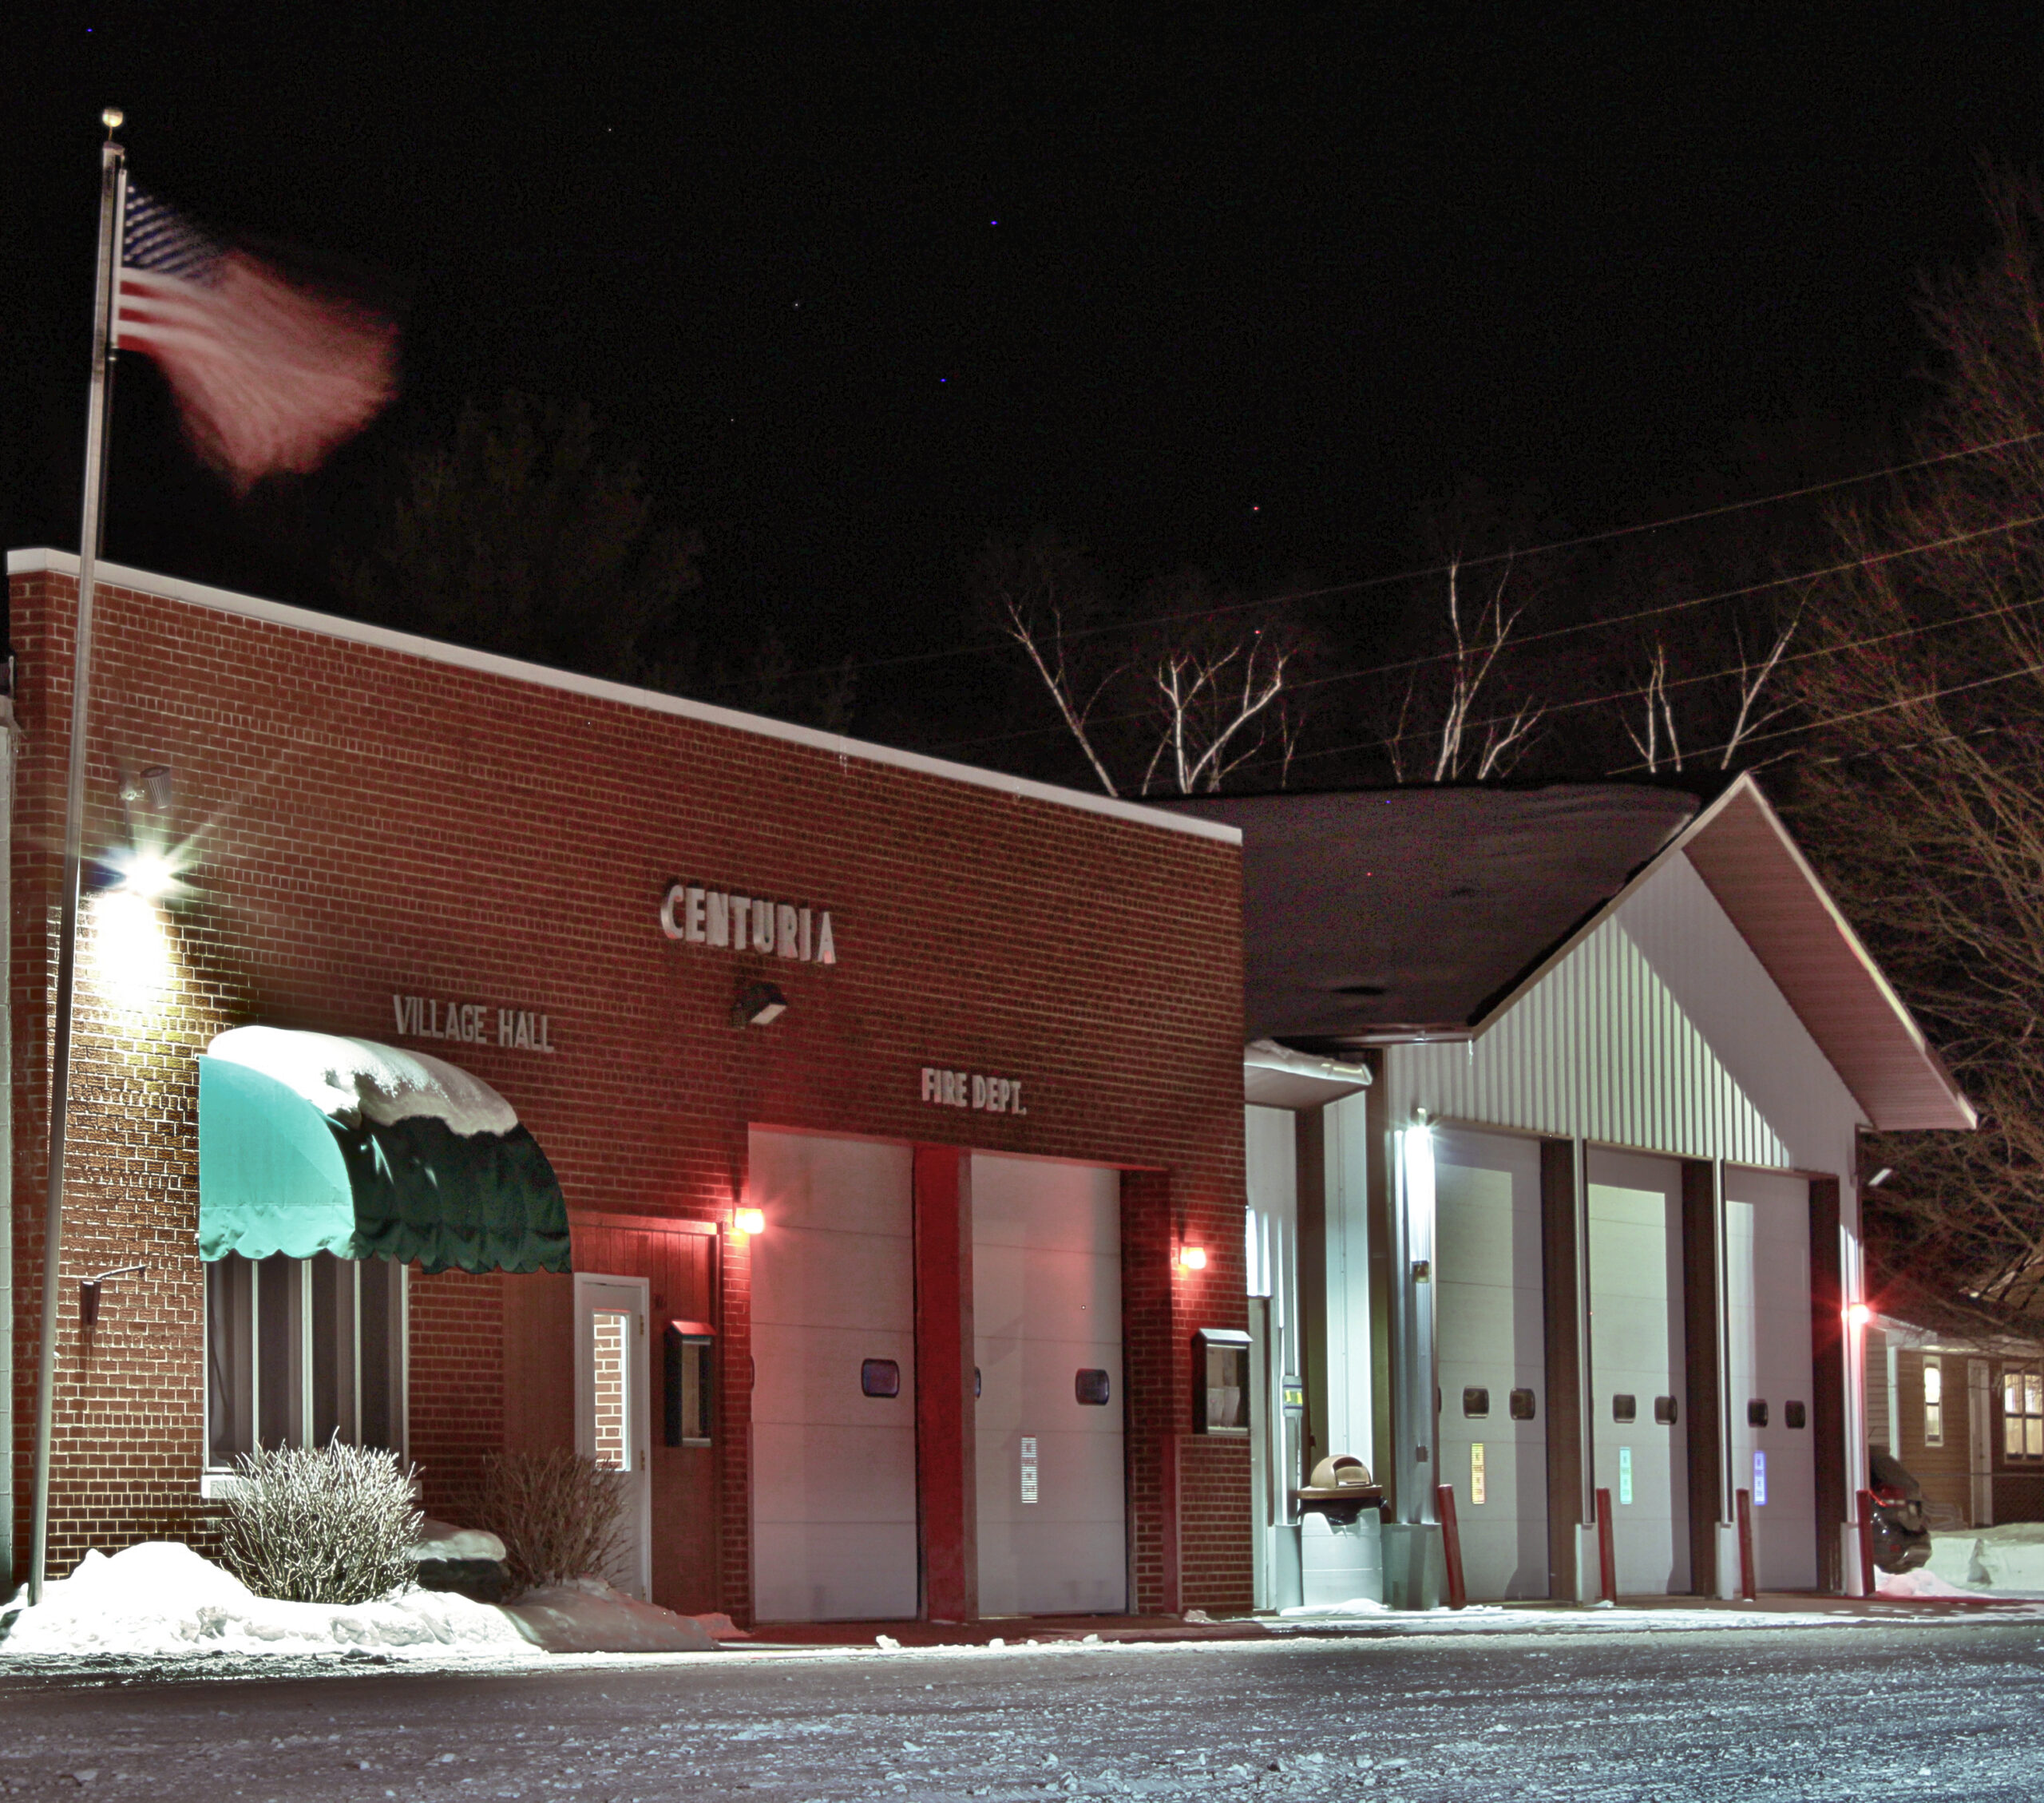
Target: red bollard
{"points": [[1747, 1588], [1450, 1535], [1607, 1557], [1867, 1581]]}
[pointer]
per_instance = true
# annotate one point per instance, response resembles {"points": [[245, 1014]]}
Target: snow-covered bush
{"points": [[320, 1524], [559, 1514]]}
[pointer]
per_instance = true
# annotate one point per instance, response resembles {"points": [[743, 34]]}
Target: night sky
{"points": [[1237, 286]]}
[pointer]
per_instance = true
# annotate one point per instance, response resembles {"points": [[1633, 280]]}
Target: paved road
{"points": [[1850, 1712]]}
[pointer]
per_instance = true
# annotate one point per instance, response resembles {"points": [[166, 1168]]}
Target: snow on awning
{"points": [[311, 1142]]}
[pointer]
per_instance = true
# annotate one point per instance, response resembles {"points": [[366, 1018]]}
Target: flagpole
{"points": [[112, 192]]}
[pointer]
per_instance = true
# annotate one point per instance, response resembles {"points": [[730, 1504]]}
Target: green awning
{"points": [[309, 1142]]}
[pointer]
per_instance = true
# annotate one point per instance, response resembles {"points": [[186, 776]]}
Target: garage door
{"points": [[834, 1411], [1767, 1255], [1047, 1305], [1492, 1355], [1639, 1401]]}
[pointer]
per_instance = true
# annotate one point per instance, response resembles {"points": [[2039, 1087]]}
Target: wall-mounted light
{"points": [[1859, 1314], [1192, 1257], [759, 1005], [1880, 1177], [88, 1291], [748, 1221]]}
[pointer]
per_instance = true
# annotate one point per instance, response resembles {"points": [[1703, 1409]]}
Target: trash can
{"points": [[1340, 1551]]}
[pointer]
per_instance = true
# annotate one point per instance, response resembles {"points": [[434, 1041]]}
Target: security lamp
{"points": [[1193, 1258], [759, 1005], [1859, 1314], [749, 1221], [88, 1291], [1880, 1177]]}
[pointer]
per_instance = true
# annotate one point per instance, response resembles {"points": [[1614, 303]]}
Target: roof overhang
{"points": [[1740, 848], [1275, 1077]]}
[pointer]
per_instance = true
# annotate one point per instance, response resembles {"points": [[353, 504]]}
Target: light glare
{"points": [[749, 1221]]}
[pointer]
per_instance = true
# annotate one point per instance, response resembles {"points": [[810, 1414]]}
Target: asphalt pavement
{"points": [[1861, 1710]]}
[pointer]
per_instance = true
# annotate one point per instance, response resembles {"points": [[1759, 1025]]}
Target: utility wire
{"points": [[1552, 632], [1442, 569], [1683, 682], [1857, 714]]}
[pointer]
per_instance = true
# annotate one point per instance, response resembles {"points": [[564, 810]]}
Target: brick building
{"points": [[970, 1046]]}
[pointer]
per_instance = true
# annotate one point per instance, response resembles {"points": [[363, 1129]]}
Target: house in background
{"points": [[1965, 1415], [1553, 1100]]}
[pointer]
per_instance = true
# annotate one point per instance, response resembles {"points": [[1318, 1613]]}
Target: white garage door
{"points": [[834, 1492], [1767, 1256], [1493, 1351], [1639, 1401], [1047, 1305]]}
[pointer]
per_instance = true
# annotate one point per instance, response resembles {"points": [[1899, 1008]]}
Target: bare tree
{"points": [[1656, 740], [1457, 750], [1177, 700], [1927, 805]]}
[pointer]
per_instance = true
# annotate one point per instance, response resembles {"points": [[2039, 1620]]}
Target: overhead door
{"points": [[1767, 1255], [1638, 1397], [1046, 1306], [1492, 1353], [833, 1414]]}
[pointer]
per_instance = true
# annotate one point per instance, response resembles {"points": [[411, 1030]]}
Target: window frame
{"points": [[2022, 1427], [253, 1289], [1933, 1406]]}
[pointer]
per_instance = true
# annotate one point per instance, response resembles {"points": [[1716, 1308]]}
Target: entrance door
{"points": [[1767, 1259], [834, 1398], [1491, 1335], [1046, 1307], [612, 1420], [1638, 1397]]}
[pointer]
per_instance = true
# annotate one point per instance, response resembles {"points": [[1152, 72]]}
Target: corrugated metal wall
{"points": [[1602, 1047]]}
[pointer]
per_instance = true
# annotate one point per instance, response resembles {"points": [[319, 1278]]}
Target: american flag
{"points": [[269, 376]]}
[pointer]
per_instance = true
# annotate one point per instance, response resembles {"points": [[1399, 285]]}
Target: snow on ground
{"points": [[162, 1599], [1991, 1560]]}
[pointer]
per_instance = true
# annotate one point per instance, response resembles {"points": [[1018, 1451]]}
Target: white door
{"points": [[1767, 1259], [613, 1421], [833, 1396], [1490, 1310], [1046, 1308], [1639, 1402]]}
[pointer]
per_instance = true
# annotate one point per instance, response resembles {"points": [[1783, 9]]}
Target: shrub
{"points": [[320, 1524], [559, 1514]]}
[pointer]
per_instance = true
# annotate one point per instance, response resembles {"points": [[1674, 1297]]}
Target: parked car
{"points": [[1901, 1535]]}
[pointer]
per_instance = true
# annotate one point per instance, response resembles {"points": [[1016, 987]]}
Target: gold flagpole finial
{"points": [[112, 118]]}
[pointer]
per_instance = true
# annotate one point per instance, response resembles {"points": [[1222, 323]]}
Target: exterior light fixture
{"points": [[148, 874], [1880, 1177], [88, 1291], [1192, 1257], [1859, 1314], [749, 1221], [759, 1005]]}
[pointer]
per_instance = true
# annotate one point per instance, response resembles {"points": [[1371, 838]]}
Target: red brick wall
{"points": [[366, 821]]}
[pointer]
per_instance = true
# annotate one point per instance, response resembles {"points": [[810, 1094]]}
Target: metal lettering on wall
{"points": [[472, 1023], [699, 916], [967, 1089]]}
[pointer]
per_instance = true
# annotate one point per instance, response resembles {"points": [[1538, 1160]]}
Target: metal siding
{"points": [[1608, 1046]]}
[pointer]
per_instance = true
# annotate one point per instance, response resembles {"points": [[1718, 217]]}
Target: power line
{"points": [[1857, 714], [1442, 569], [1659, 612]]}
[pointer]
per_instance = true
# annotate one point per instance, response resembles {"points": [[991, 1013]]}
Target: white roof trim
{"points": [[41, 561]]}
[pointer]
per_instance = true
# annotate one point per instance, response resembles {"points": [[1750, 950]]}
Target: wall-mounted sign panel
{"points": [[472, 1023], [972, 1089], [700, 916]]}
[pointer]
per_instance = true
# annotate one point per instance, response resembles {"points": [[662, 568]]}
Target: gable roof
{"points": [[1391, 916]]}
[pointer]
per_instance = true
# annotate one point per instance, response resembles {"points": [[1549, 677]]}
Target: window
{"points": [[2022, 1413], [685, 1391], [300, 1350], [1625, 1408], [1933, 1402], [1475, 1402]]}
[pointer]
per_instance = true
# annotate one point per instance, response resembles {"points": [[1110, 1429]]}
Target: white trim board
{"points": [[44, 561]]}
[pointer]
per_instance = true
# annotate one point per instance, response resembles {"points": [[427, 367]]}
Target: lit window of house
{"points": [[1933, 1402], [2022, 1413]]}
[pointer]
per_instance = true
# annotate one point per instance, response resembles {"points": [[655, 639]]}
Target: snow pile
{"points": [[350, 1078], [1921, 1582], [2010, 1558], [161, 1598], [587, 1616], [1355, 1605]]}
